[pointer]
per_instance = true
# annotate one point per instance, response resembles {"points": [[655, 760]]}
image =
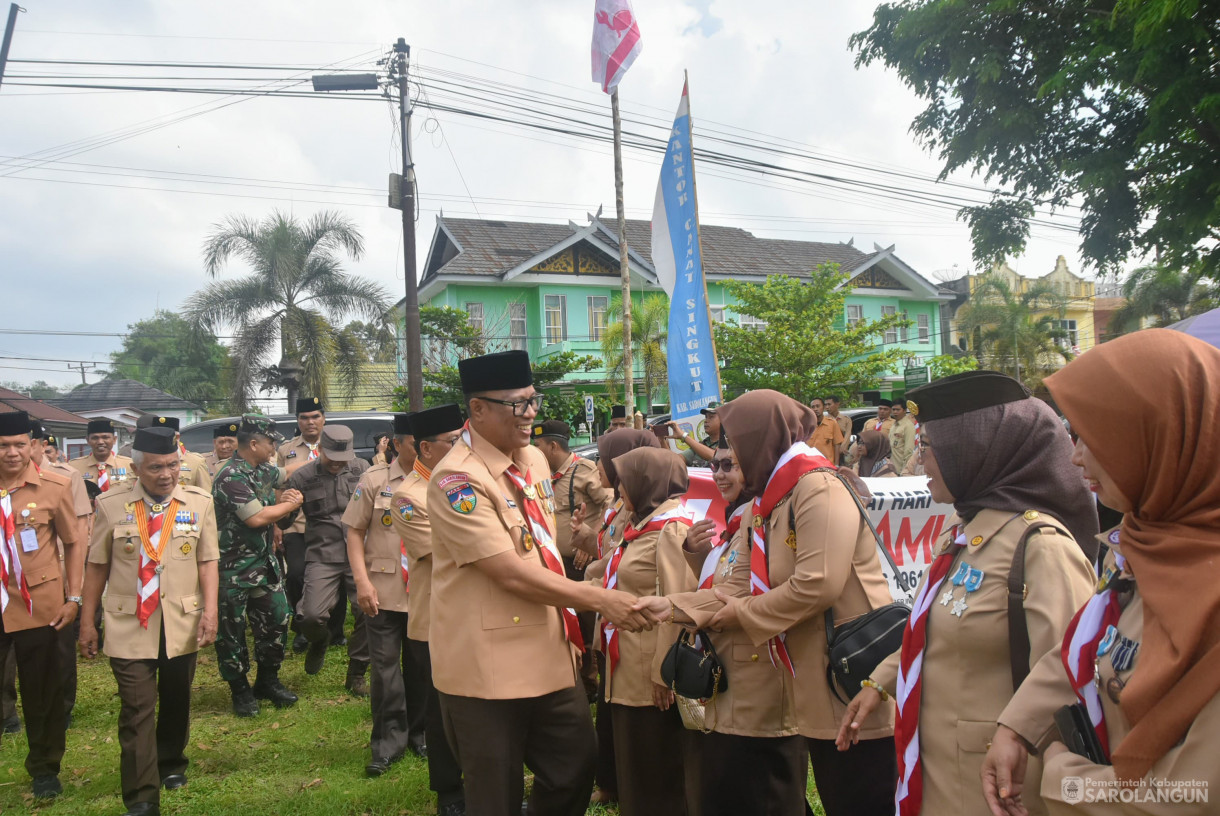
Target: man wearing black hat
{"points": [[575, 482], [293, 454], [102, 465], [383, 586], [250, 578], [327, 483], [369, 524], [224, 442], [618, 418], [154, 551], [504, 636], [884, 422], [35, 508], [192, 469]]}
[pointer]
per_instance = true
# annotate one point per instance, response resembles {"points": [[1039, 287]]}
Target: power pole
{"points": [[624, 263], [8, 36], [81, 367], [415, 379]]}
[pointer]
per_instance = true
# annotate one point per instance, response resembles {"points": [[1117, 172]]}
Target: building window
{"points": [[751, 322], [556, 311], [717, 313], [905, 330], [891, 334], [516, 326], [474, 312], [1072, 341], [597, 316], [855, 314], [923, 323]]}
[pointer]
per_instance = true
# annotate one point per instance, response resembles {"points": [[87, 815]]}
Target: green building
{"points": [[545, 287]]}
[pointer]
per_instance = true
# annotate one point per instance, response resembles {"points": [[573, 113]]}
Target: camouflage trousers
{"points": [[269, 613]]}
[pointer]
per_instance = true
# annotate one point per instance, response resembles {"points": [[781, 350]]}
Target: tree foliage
{"points": [[294, 295], [167, 352], [1112, 105], [39, 389], [1018, 333], [649, 337], [946, 365], [806, 349], [1163, 295], [375, 339]]}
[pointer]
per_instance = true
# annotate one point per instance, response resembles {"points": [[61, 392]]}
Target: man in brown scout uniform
{"points": [[435, 431], [192, 469], [35, 508], [574, 482], [154, 552], [832, 403], [224, 442], [369, 522], [102, 465], [902, 437], [504, 637], [827, 436], [327, 483], [618, 417]]}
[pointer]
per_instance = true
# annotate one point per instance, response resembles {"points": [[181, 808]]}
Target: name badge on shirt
{"points": [[29, 540]]}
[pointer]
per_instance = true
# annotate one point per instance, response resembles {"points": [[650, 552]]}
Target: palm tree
{"points": [[1164, 294], [294, 296], [1017, 332], [649, 334]]}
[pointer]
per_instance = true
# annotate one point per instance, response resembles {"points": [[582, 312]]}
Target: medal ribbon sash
{"points": [[103, 476], [795, 463], [402, 562], [546, 545], [1079, 651], [908, 798], [607, 520], [153, 538], [10, 557], [708, 573]]}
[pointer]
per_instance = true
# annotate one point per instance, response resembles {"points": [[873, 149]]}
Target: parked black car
{"points": [[366, 427]]}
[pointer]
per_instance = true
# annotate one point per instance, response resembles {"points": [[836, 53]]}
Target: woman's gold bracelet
{"points": [[875, 686], [673, 612]]}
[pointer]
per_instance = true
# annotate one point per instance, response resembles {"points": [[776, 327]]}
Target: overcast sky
{"points": [[90, 247]]}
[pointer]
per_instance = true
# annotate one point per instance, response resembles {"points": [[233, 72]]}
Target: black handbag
{"points": [[857, 647], [691, 667]]}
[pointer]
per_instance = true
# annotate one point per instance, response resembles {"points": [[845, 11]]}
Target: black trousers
{"points": [[154, 721], [857, 782], [444, 774], [658, 761], [40, 679], [753, 776], [552, 735], [606, 775], [396, 690], [67, 661], [294, 572]]}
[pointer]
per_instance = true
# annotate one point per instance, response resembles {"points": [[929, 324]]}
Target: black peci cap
{"points": [[553, 427], [618, 411], [963, 393], [173, 423], [99, 426], [154, 440], [36, 430], [436, 421], [307, 405], [14, 423], [885, 403], [502, 371], [402, 424], [224, 429]]}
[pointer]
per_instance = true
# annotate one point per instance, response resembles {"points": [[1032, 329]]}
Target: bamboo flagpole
{"points": [[623, 260]]}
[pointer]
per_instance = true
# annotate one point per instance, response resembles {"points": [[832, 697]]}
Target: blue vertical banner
{"points": [[694, 375]]}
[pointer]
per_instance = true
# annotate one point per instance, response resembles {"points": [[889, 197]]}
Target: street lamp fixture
{"points": [[345, 82]]}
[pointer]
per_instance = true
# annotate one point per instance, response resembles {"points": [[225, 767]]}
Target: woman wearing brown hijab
{"points": [[653, 751], [873, 453], [1145, 407], [809, 552], [1001, 458]]}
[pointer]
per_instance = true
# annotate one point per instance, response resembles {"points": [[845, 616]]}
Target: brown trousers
{"points": [[396, 689], [152, 738], [327, 588], [67, 661], [551, 734], [753, 776], [41, 682], [653, 753]]}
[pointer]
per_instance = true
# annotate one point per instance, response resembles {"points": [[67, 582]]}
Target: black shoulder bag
{"points": [[691, 667]]}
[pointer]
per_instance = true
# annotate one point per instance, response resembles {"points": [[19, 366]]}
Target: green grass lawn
{"points": [[299, 761]]}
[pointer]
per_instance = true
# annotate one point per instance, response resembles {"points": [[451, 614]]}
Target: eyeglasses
{"points": [[924, 446], [725, 465], [518, 406]]}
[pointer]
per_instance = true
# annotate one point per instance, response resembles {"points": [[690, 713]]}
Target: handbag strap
{"points": [[1018, 628], [828, 616]]}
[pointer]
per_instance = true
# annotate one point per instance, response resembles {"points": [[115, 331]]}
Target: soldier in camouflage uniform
{"points": [[250, 577]]}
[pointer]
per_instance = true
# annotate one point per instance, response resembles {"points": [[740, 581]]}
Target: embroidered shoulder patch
{"points": [[453, 478], [1114, 536], [461, 498], [405, 510]]}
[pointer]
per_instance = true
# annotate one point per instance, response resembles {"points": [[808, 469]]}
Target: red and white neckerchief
{"points": [[908, 798], [313, 451], [402, 562], [1080, 644], [10, 556], [103, 476], [795, 463], [609, 632], [607, 521], [708, 573], [563, 471], [546, 544], [154, 536]]}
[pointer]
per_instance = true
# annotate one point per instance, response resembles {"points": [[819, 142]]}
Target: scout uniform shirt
{"points": [[326, 497], [118, 470], [213, 463], [239, 492], [293, 454], [827, 438], [844, 423], [116, 542], [41, 507], [410, 517], [902, 443], [370, 510], [485, 641], [193, 470], [882, 426], [1192, 762], [577, 482], [967, 665]]}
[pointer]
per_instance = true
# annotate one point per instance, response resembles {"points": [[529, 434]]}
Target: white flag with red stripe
{"points": [[616, 42]]}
